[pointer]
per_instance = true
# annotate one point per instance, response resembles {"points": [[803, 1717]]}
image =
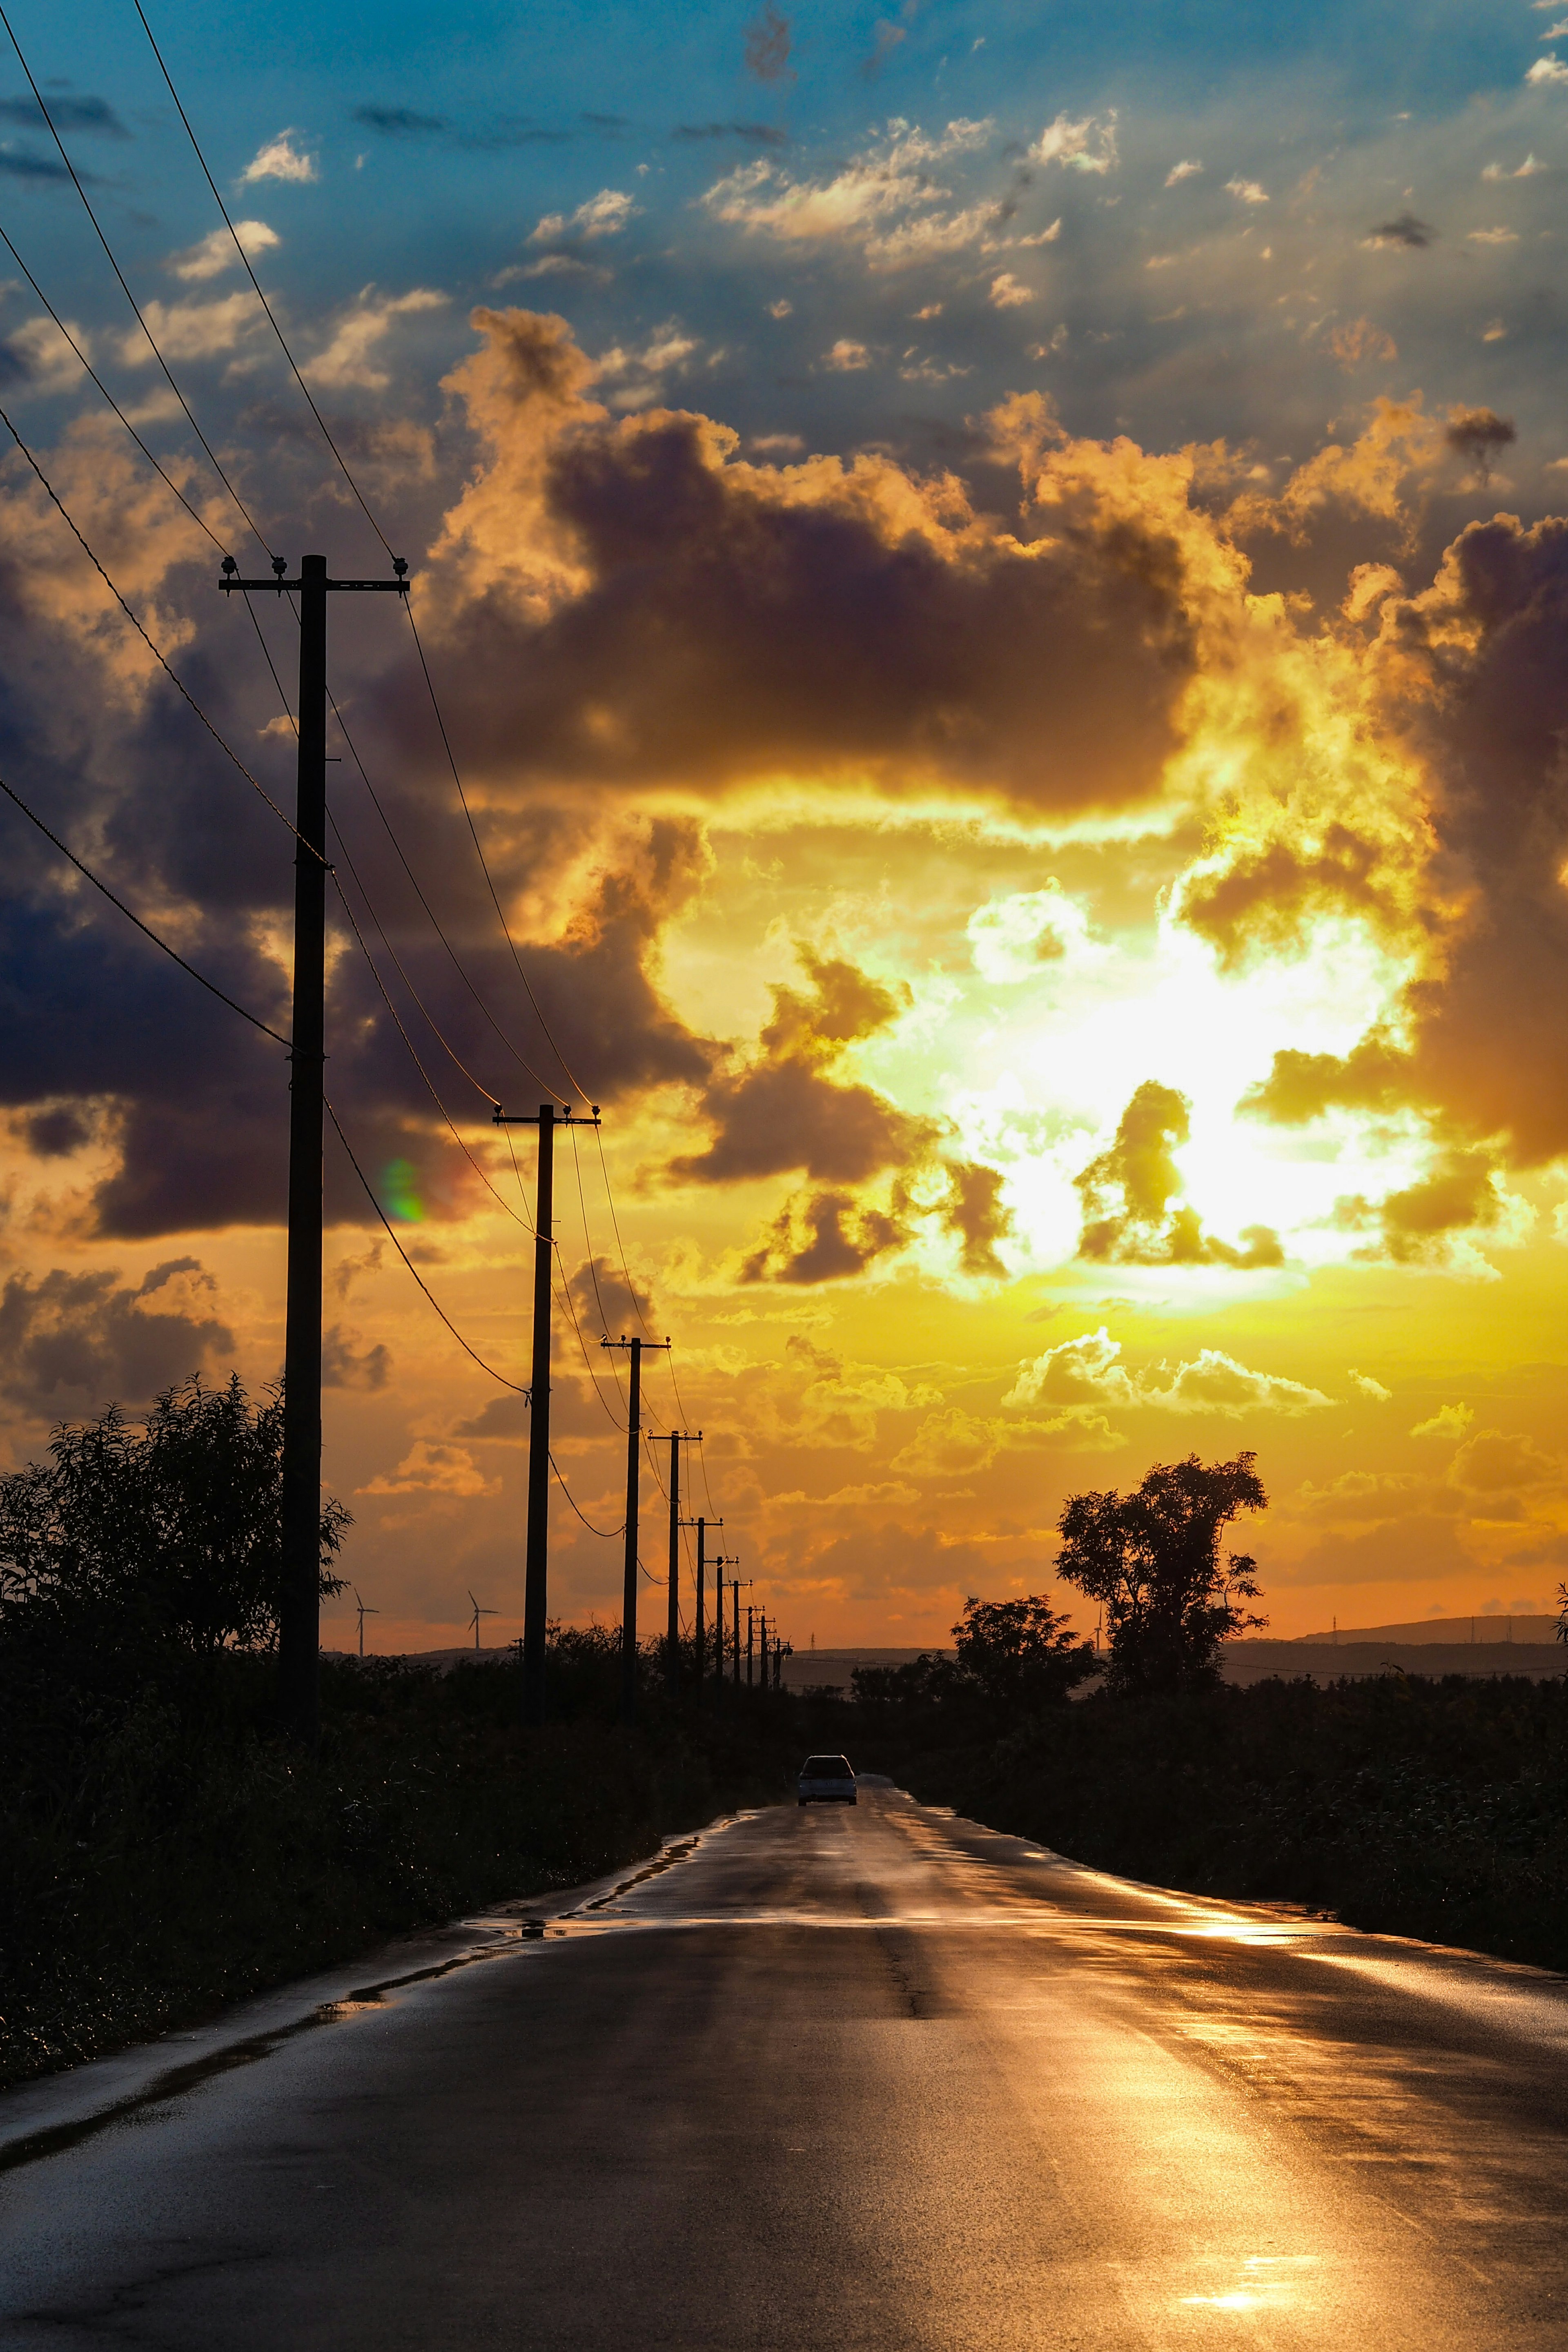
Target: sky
{"points": [[996, 582]]}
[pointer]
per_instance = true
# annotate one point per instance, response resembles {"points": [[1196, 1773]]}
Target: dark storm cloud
{"points": [[69, 1343], [1479, 435], [89, 114], [1404, 230], [822, 1237], [399, 121], [607, 1303], [1132, 1211], [344, 1366], [495, 136], [19, 165], [786, 1111], [103, 1040], [1270, 896], [767, 49], [732, 622], [1475, 680], [1412, 1225], [755, 134]]}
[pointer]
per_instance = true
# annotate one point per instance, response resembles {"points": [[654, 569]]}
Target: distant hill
{"points": [[1431, 1645], [1446, 1630]]}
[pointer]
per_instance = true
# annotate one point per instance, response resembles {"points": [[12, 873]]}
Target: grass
{"points": [[177, 1856], [1433, 1809]]}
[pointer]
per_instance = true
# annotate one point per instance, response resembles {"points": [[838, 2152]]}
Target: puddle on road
{"points": [[605, 1916]]}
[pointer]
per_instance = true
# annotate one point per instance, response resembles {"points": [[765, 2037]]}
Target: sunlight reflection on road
{"points": [[1265, 2284]]}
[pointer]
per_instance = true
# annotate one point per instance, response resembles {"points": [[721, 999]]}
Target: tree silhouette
{"points": [[1152, 1558], [167, 1533], [1020, 1653]]}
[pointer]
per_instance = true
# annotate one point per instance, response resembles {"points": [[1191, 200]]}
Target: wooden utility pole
{"points": [[678, 1438], [700, 1611], [536, 1558], [721, 1564], [299, 1602], [629, 1588]]}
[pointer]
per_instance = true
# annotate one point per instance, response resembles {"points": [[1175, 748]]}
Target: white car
{"points": [[826, 1780]]}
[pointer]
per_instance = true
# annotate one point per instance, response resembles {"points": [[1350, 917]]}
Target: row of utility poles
{"points": [[300, 1609]]}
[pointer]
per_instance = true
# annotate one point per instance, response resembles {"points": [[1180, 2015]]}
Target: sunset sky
{"points": [[993, 577]]}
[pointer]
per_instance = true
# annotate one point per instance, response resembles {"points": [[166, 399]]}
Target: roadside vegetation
{"points": [[1428, 1808], [166, 1850]]}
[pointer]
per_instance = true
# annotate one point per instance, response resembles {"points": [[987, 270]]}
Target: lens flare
{"points": [[400, 1190]]}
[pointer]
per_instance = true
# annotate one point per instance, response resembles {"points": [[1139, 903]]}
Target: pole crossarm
{"points": [[565, 1117], [280, 586]]}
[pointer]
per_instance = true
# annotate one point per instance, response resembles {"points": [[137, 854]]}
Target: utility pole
{"points": [[299, 1601], [762, 1646], [629, 1589], [678, 1438], [750, 1630], [735, 1589], [703, 1527], [722, 1563], [536, 1559]]}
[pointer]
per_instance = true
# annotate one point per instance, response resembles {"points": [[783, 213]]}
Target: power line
{"points": [[435, 1026], [516, 1388], [403, 1032], [349, 478], [605, 1534], [370, 518], [620, 1245], [702, 1466], [484, 867], [436, 924], [212, 459], [182, 689], [571, 1310], [256, 282], [244, 511], [172, 954], [172, 487]]}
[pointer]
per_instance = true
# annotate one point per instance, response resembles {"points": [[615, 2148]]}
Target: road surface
{"points": [[845, 2079]]}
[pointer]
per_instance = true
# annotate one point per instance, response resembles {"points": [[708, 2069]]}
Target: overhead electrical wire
{"points": [[430, 686], [349, 478], [87, 206], [171, 486], [250, 273], [408, 1040], [516, 1387], [620, 1245], [170, 673], [375, 799], [172, 954], [578, 1090], [605, 1534]]}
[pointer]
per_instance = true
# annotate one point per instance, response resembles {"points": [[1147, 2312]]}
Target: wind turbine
{"points": [[474, 1621], [363, 1613]]}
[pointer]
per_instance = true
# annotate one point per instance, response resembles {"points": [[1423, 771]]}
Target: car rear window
{"points": [[827, 1768]]}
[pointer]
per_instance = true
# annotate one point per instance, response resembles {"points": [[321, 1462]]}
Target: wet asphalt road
{"points": [[842, 2080]]}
